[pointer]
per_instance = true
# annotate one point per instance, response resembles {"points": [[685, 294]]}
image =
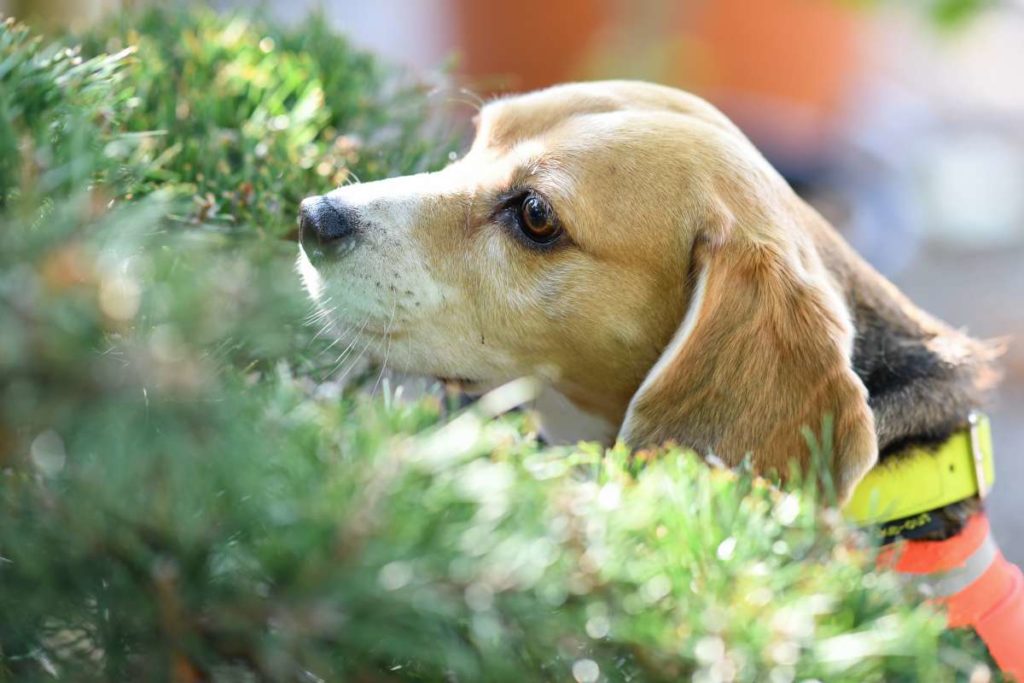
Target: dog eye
{"points": [[537, 220]]}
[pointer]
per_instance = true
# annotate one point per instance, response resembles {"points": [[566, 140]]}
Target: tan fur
{"points": [[767, 358], [654, 187]]}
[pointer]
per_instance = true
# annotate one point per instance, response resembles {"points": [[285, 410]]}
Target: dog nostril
{"points": [[306, 224], [321, 220]]}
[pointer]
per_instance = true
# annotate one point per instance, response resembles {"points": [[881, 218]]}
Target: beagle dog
{"points": [[625, 244]]}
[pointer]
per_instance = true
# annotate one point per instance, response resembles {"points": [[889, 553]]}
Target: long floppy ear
{"points": [[763, 351]]}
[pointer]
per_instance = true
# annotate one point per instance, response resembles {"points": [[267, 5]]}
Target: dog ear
{"points": [[762, 354]]}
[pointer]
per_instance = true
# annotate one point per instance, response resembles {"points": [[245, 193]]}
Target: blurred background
{"points": [[903, 122]]}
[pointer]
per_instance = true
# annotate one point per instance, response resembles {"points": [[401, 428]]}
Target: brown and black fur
{"points": [[923, 377]]}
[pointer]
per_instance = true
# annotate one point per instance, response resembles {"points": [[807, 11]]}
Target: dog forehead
{"points": [[506, 121]]}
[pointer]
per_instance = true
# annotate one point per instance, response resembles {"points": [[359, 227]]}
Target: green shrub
{"points": [[55, 108], [181, 500], [246, 118]]}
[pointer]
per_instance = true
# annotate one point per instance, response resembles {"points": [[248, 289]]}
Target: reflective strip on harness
{"points": [[977, 586], [949, 583]]}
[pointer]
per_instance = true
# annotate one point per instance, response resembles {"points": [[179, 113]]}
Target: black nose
{"points": [[324, 220]]}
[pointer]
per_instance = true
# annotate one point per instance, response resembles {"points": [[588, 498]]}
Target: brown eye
{"points": [[537, 220]]}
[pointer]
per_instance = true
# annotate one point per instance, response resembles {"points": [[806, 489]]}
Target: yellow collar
{"points": [[923, 480]]}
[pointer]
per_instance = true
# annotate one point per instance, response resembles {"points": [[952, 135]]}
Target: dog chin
{"points": [[471, 387]]}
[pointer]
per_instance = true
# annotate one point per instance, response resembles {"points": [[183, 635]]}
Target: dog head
{"points": [[627, 245]]}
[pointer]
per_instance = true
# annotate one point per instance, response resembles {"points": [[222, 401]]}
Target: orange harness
{"points": [[968, 575]]}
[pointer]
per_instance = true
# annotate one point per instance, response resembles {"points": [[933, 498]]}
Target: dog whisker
{"points": [[352, 334], [387, 350], [354, 361], [327, 326], [462, 96]]}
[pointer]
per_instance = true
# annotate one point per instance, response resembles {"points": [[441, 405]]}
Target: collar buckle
{"points": [[974, 422]]}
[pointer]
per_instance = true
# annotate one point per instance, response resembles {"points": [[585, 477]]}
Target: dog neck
{"points": [[923, 377], [562, 422]]}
